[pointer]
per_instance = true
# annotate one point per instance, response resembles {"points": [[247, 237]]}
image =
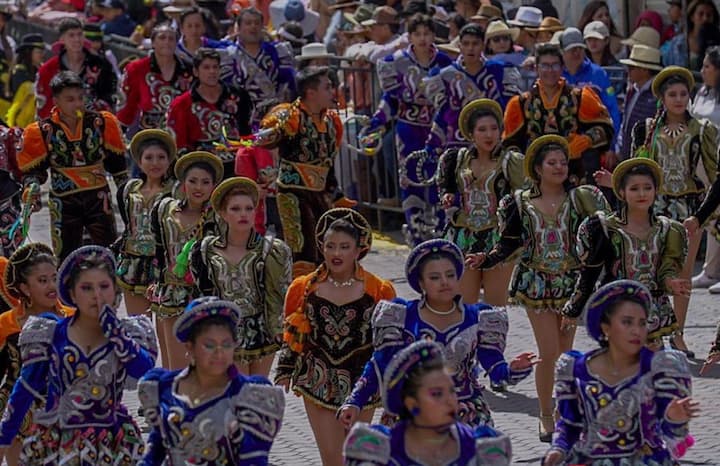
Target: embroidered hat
{"points": [[433, 246], [606, 296], [642, 56], [11, 275], [536, 146], [163, 136], [351, 216], [185, 162], [626, 165], [203, 308], [470, 110], [75, 260], [666, 73], [401, 365], [246, 185]]}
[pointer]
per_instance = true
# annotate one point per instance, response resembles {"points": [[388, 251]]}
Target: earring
{"points": [[415, 411]]}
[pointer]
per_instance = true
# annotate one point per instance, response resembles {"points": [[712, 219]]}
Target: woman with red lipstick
{"points": [[28, 285], [543, 221], [328, 334], [153, 151], [177, 224], [635, 244], [244, 267], [621, 404], [471, 182]]}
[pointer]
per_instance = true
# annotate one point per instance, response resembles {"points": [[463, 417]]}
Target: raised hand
{"points": [[108, 320], [692, 225], [603, 178], [682, 409], [524, 361]]}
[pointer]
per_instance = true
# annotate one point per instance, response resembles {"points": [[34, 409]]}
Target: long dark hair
{"points": [[589, 12], [689, 25], [713, 56]]}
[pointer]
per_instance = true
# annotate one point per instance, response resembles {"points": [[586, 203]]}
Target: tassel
{"points": [[181, 268]]}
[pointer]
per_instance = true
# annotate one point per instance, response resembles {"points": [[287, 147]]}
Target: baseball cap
{"points": [[571, 38], [596, 30]]}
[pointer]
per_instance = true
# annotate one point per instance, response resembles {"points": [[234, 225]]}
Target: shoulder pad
{"points": [[588, 199], [140, 329], [283, 49], [671, 363], [493, 451], [565, 365], [37, 330], [267, 402], [389, 314], [493, 319], [387, 74], [367, 444], [131, 185]]}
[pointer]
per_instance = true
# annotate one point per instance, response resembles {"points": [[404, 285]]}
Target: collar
{"points": [[410, 50], [320, 122], [224, 93]]}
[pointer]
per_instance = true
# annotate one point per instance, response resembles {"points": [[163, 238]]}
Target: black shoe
{"points": [[688, 353], [500, 387], [544, 435]]}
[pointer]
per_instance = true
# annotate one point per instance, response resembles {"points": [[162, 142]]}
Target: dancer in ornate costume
{"points": [[210, 116], [308, 136], [418, 388], [11, 192], [244, 267], [29, 286], [149, 84], [633, 244], [77, 148], [153, 150], [79, 366], [208, 412], [177, 224], [328, 336], [552, 106], [472, 335], [543, 221], [471, 181], [621, 404], [405, 101]]}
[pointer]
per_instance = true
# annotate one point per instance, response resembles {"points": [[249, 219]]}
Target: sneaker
{"points": [[715, 289], [703, 281]]}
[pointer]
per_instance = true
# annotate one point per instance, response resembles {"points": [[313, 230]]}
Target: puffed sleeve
{"points": [[595, 120], [674, 253], [510, 226], [32, 157], [114, 142], [570, 423], [588, 200], [199, 268], [446, 178], [284, 119], [709, 149], [492, 448], [136, 347], [278, 275], [129, 105], [515, 132], [512, 166], [288, 355], [367, 445], [671, 380], [156, 228], [149, 389], [492, 336], [36, 346]]}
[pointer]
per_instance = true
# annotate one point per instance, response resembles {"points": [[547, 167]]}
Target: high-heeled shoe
{"points": [[545, 435], [690, 354]]}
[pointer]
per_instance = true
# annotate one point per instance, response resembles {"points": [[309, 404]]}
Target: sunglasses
{"points": [[500, 39]]}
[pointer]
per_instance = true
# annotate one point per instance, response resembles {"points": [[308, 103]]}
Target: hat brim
{"points": [[535, 147], [576, 45], [468, 111], [72, 261], [21, 254], [594, 35], [314, 57], [201, 309], [187, 160], [5, 294], [514, 33], [174, 10], [639, 64], [422, 250], [668, 71], [608, 295], [403, 362], [549, 29], [228, 185], [351, 216], [340, 6], [627, 165], [449, 48], [146, 134]]}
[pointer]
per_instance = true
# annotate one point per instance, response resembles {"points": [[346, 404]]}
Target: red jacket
{"points": [[257, 164]]}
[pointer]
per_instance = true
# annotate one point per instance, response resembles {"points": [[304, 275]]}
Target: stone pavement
{"points": [[515, 412]]}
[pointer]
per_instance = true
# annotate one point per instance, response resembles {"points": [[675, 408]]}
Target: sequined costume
{"points": [[10, 190], [622, 424], [573, 111], [306, 178], [338, 345], [405, 101], [236, 427], [545, 276], [83, 421], [137, 268], [682, 190], [478, 341], [257, 284], [77, 159], [145, 95], [473, 225], [203, 126], [375, 445], [607, 249]]}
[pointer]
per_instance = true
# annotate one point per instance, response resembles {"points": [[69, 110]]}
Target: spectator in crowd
{"points": [[192, 30], [337, 19], [685, 48], [597, 39], [291, 32], [455, 23], [528, 20], [282, 11], [547, 8], [650, 18], [598, 10], [643, 35], [549, 26], [96, 44], [485, 14], [675, 14], [467, 8], [30, 55], [384, 28], [115, 19]]}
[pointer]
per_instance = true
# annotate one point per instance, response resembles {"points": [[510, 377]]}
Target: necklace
{"points": [[441, 313], [338, 284], [674, 132]]}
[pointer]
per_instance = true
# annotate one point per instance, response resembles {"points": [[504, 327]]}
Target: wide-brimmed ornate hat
{"points": [[550, 24], [606, 296], [351, 216], [188, 160], [147, 134], [402, 363], [626, 165], [499, 28], [669, 71], [468, 112], [245, 184], [642, 56], [282, 11], [644, 35], [433, 246], [536, 146], [11, 274], [75, 260], [203, 308]]}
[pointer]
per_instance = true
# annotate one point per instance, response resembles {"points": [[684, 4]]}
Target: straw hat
{"points": [[667, 73], [499, 28], [643, 35], [627, 165], [535, 147], [550, 24], [527, 17], [643, 56], [487, 12], [314, 50]]}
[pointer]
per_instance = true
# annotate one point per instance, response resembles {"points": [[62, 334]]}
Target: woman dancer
{"points": [[633, 244], [418, 388], [177, 224], [80, 366], [28, 284], [544, 220], [252, 271], [328, 334], [621, 404], [473, 335], [223, 416], [153, 150], [477, 178]]}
